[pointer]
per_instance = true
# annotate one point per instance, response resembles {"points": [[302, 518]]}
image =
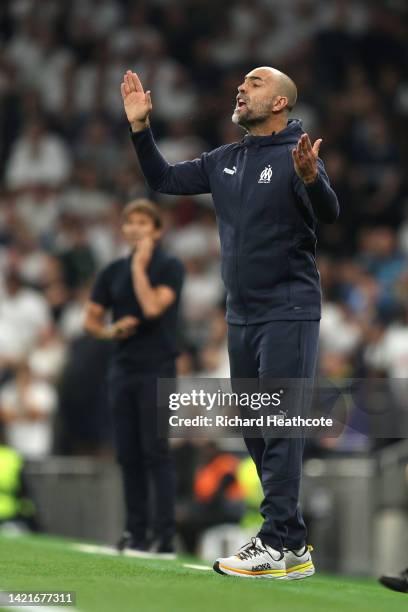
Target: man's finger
{"points": [[304, 144], [129, 82], [308, 144], [298, 148], [133, 320], [126, 79], [136, 82], [148, 98], [126, 324], [123, 90], [126, 88], [316, 146], [130, 325]]}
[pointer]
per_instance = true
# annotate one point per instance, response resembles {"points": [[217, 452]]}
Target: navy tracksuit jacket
{"points": [[267, 223], [266, 218]]}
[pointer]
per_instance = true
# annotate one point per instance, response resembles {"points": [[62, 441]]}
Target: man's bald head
{"points": [[282, 84], [285, 87], [265, 92]]}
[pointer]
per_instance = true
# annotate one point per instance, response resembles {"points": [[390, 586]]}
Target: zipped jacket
{"points": [[266, 217]]}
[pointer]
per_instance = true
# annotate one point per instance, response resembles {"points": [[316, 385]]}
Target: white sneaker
{"points": [[299, 563], [253, 560]]}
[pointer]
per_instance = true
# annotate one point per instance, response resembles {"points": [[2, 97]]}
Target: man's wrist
{"points": [[138, 265], [310, 180], [139, 126]]}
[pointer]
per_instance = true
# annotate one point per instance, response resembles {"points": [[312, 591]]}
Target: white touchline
{"points": [[96, 549], [107, 550], [197, 567]]}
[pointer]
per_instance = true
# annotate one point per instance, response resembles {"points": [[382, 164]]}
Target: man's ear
{"points": [[279, 104]]}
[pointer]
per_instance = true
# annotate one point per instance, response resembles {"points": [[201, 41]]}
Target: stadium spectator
{"points": [[24, 315], [37, 157], [27, 404]]}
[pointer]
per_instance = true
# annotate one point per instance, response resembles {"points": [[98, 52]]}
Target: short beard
{"points": [[247, 122], [235, 118]]}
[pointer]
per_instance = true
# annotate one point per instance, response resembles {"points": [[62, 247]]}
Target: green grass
{"points": [[118, 584]]}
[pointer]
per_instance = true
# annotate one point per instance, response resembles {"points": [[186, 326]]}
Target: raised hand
{"points": [[305, 158], [137, 103], [143, 253]]}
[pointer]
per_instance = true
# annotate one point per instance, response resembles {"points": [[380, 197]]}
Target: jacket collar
{"points": [[289, 135]]}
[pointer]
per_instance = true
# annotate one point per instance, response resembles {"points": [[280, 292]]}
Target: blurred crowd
{"points": [[67, 169]]}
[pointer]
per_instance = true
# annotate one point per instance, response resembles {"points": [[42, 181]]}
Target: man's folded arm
{"points": [[184, 178], [320, 195]]}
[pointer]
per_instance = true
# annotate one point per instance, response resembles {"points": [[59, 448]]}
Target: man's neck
{"points": [[269, 127]]}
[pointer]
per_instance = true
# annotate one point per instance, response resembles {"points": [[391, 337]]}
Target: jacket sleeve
{"points": [[319, 195], [184, 178]]}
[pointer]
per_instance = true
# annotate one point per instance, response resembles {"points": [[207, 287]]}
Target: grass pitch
{"points": [[120, 584]]}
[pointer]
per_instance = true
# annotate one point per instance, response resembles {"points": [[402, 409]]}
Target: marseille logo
{"points": [[266, 175]]}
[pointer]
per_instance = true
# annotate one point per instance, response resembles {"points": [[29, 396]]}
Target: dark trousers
{"points": [[283, 350], [144, 457]]}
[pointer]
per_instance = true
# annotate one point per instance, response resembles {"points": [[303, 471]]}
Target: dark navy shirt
{"points": [[267, 220], [155, 340]]}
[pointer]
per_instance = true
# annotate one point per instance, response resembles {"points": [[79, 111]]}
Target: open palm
{"points": [[305, 158], [136, 101]]}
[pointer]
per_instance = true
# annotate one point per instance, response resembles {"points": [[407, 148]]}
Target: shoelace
{"points": [[250, 550]]}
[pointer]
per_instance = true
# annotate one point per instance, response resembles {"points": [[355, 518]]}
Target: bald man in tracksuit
{"points": [[269, 192]]}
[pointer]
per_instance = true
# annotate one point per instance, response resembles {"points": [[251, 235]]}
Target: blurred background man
{"points": [[142, 291]]}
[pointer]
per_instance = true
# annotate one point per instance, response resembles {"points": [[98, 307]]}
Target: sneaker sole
{"points": [[225, 570], [297, 572]]}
